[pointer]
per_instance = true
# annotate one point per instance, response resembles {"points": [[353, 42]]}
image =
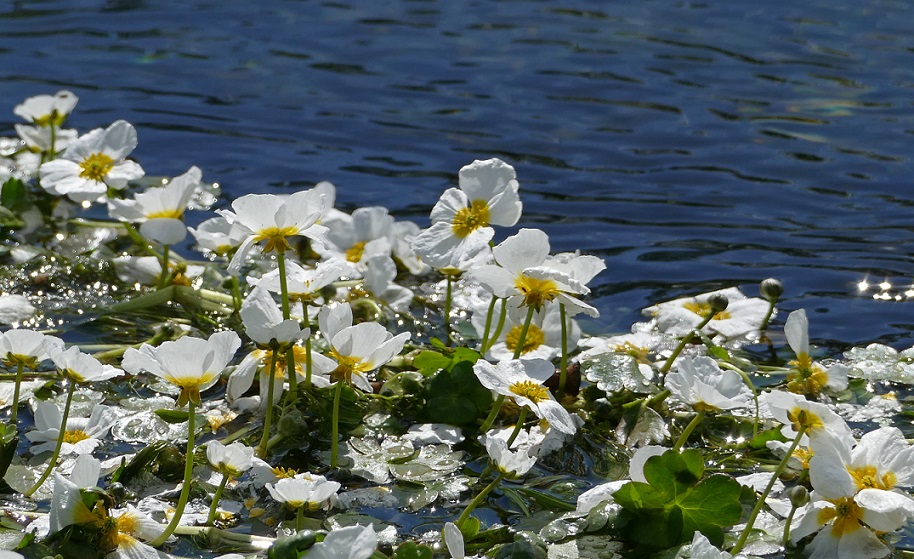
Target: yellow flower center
{"points": [[96, 167], [532, 340], [846, 515], [128, 524], [73, 436], [275, 238], [867, 477], [348, 364], [536, 292], [530, 390], [53, 118], [803, 455], [702, 310], [15, 359], [467, 220], [804, 418], [190, 387], [807, 377], [355, 252], [171, 214], [283, 473]]}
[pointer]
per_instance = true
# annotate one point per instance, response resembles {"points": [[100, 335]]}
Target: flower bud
{"points": [[799, 496], [718, 302], [771, 289]]}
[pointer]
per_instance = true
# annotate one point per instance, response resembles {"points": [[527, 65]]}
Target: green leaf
{"points": [[470, 528], [712, 503], [290, 547], [429, 362], [456, 397], [412, 550], [13, 195]]}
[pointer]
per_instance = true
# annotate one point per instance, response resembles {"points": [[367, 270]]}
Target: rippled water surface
{"points": [[693, 145]]}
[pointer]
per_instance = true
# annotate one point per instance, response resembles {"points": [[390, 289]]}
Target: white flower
{"points": [[81, 435], [701, 383], [312, 493], [512, 464], [544, 334], [702, 549], [263, 321], [523, 275], [271, 218], [47, 110], [302, 282], [160, 210], [743, 316], [81, 367], [351, 542], [67, 506], [453, 540], [92, 164], [379, 274], [354, 238], [214, 235], [808, 377], [402, 235], [357, 349], [230, 460], [881, 459], [38, 139], [129, 529], [796, 411], [191, 364], [522, 380], [27, 347], [147, 270], [462, 217]]}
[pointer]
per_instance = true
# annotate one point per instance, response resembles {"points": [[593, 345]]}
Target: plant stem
{"points": [[498, 328], [688, 430], [563, 362], [268, 416], [299, 518], [493, 413], [767, 318], [335, 427], [188, 478], [761, 501], [306, 323], [488, 330], [60, 436], [163, 277], [478, 499], [449, 281], [683, 342], [216, 497], [523, 333], [496, 406], [522, 416], [15, 404], [286, 314]]}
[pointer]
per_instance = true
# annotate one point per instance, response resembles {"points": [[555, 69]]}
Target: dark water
{"points": [[693, 145]]}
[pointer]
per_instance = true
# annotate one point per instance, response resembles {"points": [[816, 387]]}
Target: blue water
{"points": [[693, 145]]}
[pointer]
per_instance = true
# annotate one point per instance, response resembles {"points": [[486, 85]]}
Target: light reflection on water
{"points": [[693, 145]]}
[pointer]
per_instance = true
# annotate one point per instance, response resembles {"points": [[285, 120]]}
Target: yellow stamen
{"points": [[355, 252], [846, 515], [467, 220], [275, 238], [702, 310], [283, 473], [73, 436], [807, 377], [637, 352], [867, 477], [171, 214], [536, 292], [96, 167], [532, 340], [531, 390], [804, 418]]}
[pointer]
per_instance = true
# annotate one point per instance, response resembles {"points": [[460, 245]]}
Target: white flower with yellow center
{"points": [[523, 275], [214, 235], [742, 317], [701, 383], [357, 349], [274, 219], [263, 322], [25, 347], [92, 164], [81, 367], [351, 542], [511, 463], [81, 435], [357, 237], [795, 411], [304, 283], [230, 460], [853, 504], [462, 217], [47, 110], [310, 493], [544, 335], [522, 380], [160, 210], [124, 532], [191, 364], [808, 377]]}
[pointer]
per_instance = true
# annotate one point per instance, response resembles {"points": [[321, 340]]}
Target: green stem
{"points": [[563, 363], [447, 308], [761, 501], [764, 326], [489, 314], [188, 477], [216, 497], [60, 436], [163, 277], [498, 328], [335, 427], [522, 416], [286, 314], [787, 522], [689, 428], [236, 294], [268, 416], [478, 499], [140, 241], [523, 333], [306, 323], [493, 413], [683, 342], [299, 518], [15, 405]]}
